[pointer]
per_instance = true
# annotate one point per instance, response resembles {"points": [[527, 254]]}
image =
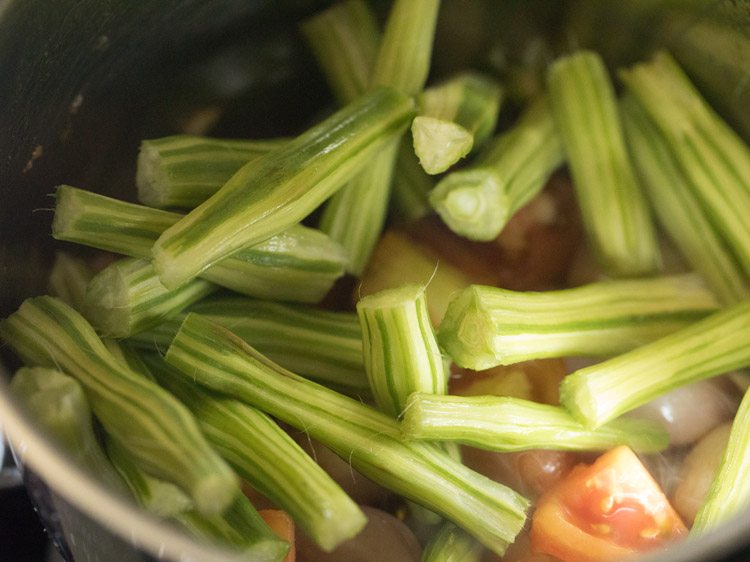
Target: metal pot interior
{"points": [[84, 81]]}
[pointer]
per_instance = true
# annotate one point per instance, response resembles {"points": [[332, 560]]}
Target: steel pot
{"points": [[82, 81]]}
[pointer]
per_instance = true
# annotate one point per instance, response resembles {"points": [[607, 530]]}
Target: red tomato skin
{"points": [[609, 510]]}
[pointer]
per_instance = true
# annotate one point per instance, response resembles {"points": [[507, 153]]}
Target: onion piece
{"points": [[698, 471], [691, 411], [528, 472], [384, 538]]}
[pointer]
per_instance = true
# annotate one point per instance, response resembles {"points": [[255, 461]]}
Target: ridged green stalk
{"points": [[402, 356], [613, 208], [267, 196], [711, 155], [320, 344], [455, 118], [127, 297], [58, 405], [717, 344], [405, 54], [368, 439], [470, 99], [439, 143], [730, 490], [158, 497], [269, 459], [487, 326], [504, 424], [679, 211], [477, 201], [344, 40], [69, 278], [410, 192], [240, 527], [184, 170], [451, 544], [129, 355], [300, 264], [355, 216], [400, 350], [157, 431]]}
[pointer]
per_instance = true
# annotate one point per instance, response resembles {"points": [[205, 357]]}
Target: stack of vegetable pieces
{"points": [[185, 378]]}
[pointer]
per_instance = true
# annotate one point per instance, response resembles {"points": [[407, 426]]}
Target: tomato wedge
{"points": [[609, 510]]}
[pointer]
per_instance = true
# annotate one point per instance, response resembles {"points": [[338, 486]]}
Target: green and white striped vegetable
{"points": [[614, 209], [269, 459], [711, 155], [69, 278], [505, 424], [300, 264], [404, 58], [320, 344], [239, 527], [127, 297], [400, 350], [730, 490], [370, 440], [184, 170], [128, 354], [679, 211], [58, 404], [487, 326], [355, 216], [158, 497], [717, 344], [439, 143], [344, 40], [269, 195], [410, 192], [477, 201], [455, 118], [158, 432], [95, 220], [469, 99], [401, 355], [451, 544]]}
